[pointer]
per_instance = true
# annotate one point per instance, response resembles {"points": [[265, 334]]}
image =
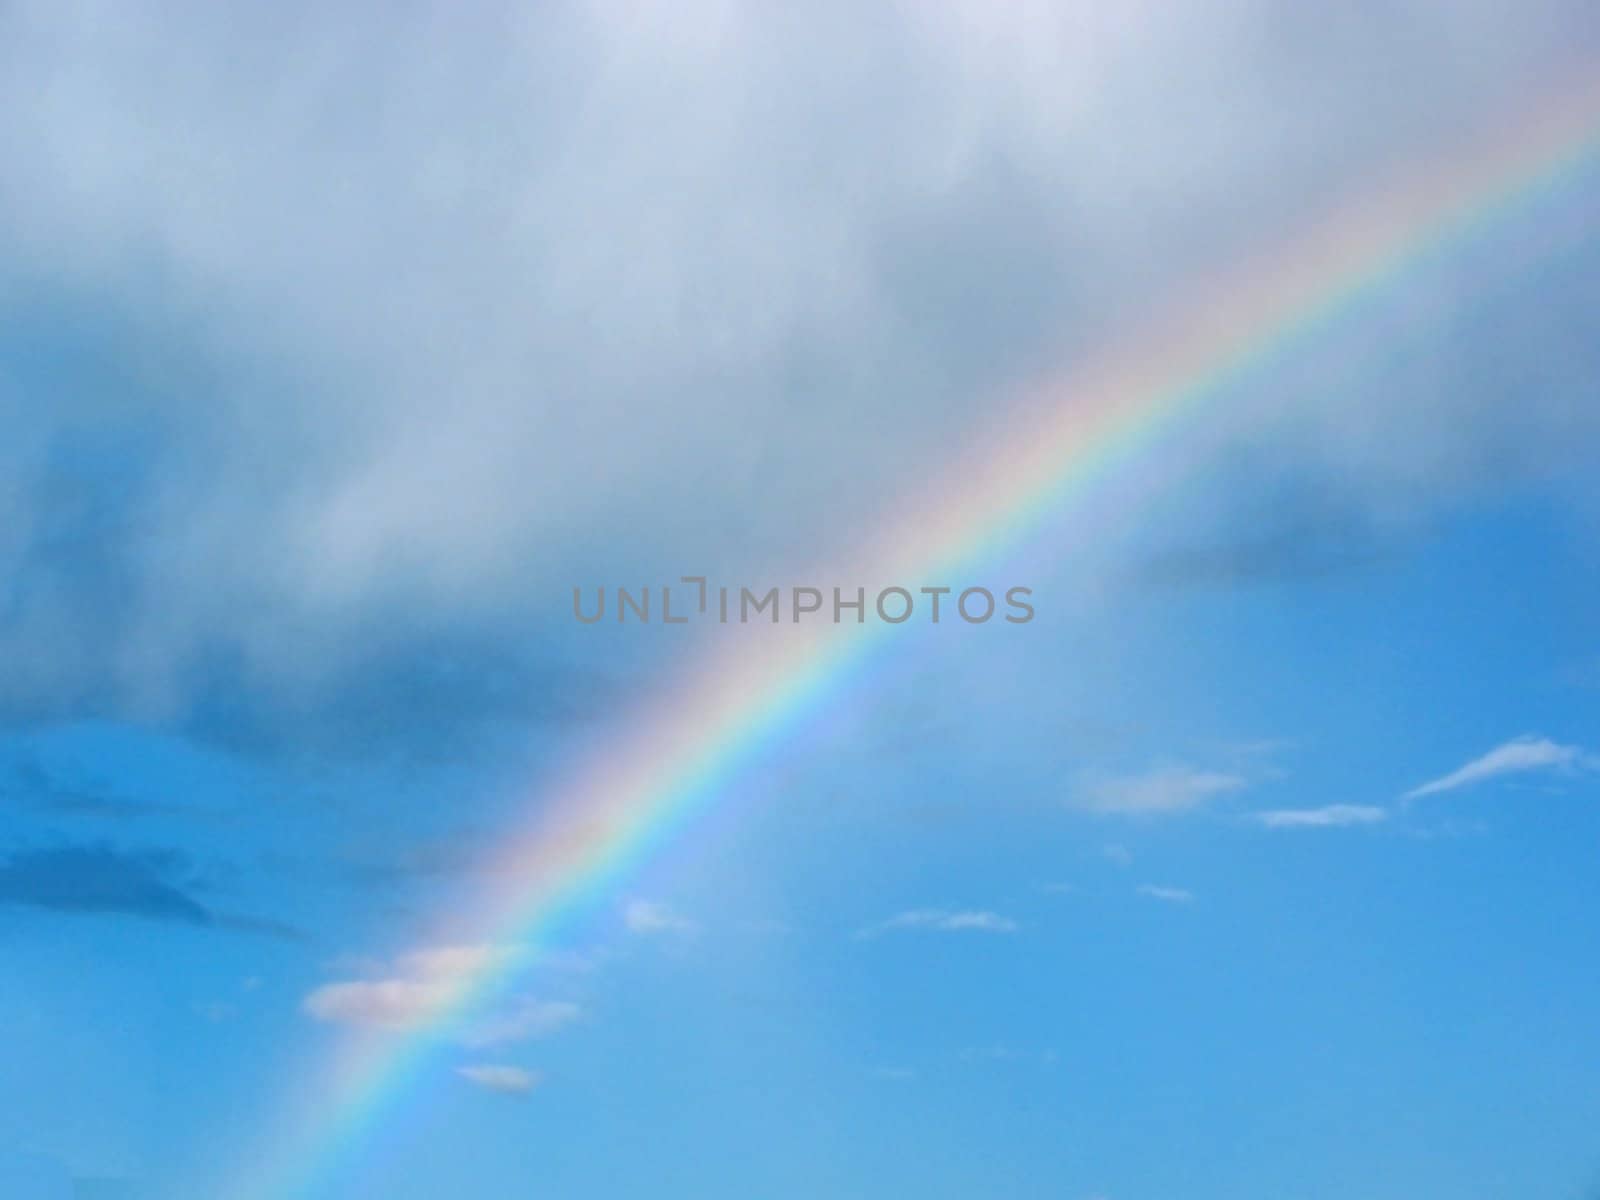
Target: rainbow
{"points": [[1062, 442]]}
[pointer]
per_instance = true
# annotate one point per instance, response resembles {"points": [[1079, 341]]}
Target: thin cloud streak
{"points": [[1519, 756], [1164, 791], [1167, 895], [1331, 816], [940, 920], [497, 1077]]}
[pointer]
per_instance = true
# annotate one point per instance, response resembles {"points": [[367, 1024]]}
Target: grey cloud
{"points": [[97, 879], [1306, 551], [337, 332], [153, 884]]}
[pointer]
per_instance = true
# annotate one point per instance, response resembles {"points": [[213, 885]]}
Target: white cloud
{"points": [[1167, 895], [650, 917], [1117, 856], [494, 1077], [1165, 790], [482, 257], [420, 987], [1328, 817], [387, 1004], [1518, 756], [943, 920]]}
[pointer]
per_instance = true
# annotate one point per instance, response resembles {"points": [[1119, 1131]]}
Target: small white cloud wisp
{"points": [[1330, 816], [1164, 791], [497, 1077], [942, 920], [1517, 757], [419, 986]]}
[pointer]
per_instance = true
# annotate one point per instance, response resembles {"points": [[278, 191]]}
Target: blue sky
{"points": [[338, 347]]}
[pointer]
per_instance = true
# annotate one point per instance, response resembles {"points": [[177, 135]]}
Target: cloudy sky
{"points": [[338, 344]]}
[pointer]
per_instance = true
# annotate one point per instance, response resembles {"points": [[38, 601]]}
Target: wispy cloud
{"points": [[1331, 816], [154, 884], [1167, 895], [496, 1077], [102, 880], [1516, 757], [1153, 793], [649, 917], [942, 920], [1308, 547], [387, 1004], [421, 985]]}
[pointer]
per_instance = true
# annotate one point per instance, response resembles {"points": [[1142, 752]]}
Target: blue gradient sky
{"points": [[337, 347]]}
